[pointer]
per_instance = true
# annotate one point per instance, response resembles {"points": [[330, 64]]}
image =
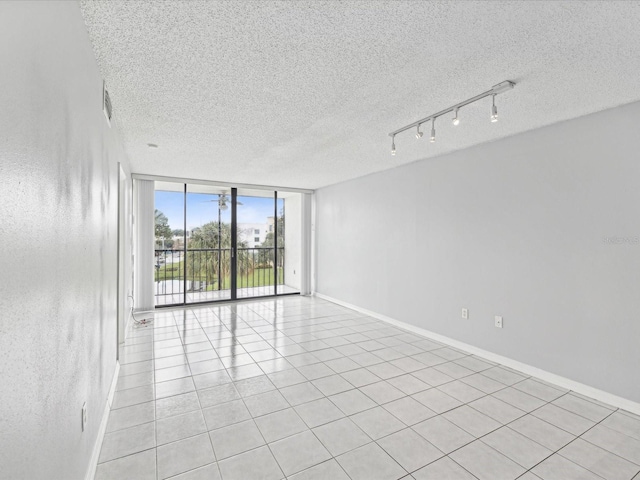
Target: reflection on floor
{"points": [[300, 388]]}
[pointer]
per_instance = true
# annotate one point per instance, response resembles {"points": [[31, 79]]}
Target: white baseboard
{"points": [[558, 380], [93, 463]]}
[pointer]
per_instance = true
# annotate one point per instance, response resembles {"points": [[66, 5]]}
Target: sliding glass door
{"points": [[220, 243]]}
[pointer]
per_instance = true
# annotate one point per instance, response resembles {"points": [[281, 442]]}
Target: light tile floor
{"points": [[300, 388]]}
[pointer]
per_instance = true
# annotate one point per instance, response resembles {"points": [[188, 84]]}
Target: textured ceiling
{"points": [[304, 94]]}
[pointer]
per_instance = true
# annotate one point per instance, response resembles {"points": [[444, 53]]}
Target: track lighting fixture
{"points": [[495, 90], [494, 111]]}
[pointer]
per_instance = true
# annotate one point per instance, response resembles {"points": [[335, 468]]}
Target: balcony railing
{"points": [[209, 270]]}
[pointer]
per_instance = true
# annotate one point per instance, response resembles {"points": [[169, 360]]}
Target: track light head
{"points": [[433, 131], [455, 120], [494, 111], [419, 133], [393, 145]]}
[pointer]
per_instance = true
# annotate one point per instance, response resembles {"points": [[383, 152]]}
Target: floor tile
{"points": [[172, 373], [541, 432], [599, 461], [329, 470], [332, 385], [216, 395], [352, 401], [225, 414], [624, 424], [408, 384], [486, 463], [254, 386], [482, 383], [557, 467], [503, 375], [474, 363], [127, 441], [318, 412], [315, 371], [340, 365], [443, 469], [582, 407], [432, 377], [445, 435], [299, 452], [211, 379], [517, 447], [563, 419], [176, 405], [301, 393], [235, 439], [454, 370], [377, 422], [518, 399], [131, 416], [360, 377], [409, 411], [341, 436], [409, 449], [265, 403], [278, 425], [461, 391], [436, 400], [174, 387], [135, 380], [472, 421], [286, 378], [141, 466], [208, 472], [497, 409], [258, 463], [178, 427], [381, 392], [133, 396], [385, 370], [370, 462], [539, 390], [184, 455], [614, 442], [352, 379]]}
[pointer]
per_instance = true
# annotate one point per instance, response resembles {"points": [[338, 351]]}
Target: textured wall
{"points": [[58, 225], [541, 228]]}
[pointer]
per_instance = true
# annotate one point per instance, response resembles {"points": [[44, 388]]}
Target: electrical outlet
{"points": [[465, 313], [498, 321], [84, 416]]}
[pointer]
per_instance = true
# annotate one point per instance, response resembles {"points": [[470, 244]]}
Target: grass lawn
{"points": [[257, 278]]}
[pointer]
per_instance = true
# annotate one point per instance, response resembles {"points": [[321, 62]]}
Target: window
{"points": [[256, 232], [256, 239]]}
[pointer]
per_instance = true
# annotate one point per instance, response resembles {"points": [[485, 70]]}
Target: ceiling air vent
{"points": [[107, 109]]}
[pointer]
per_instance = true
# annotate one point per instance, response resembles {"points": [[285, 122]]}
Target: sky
{"points": [[203, 208]]}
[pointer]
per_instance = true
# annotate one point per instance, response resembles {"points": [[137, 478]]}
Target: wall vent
{"points": [[107, 109]]}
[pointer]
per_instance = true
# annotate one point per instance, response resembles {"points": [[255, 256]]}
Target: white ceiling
{"points": [[303, 94]]}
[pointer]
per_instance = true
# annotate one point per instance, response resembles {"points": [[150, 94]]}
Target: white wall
{"points": [[513, 228], [292, 239], [58, 224]]}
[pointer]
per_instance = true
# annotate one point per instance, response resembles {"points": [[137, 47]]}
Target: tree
{"points": [[266, 256], [178, 232], [162, 229], [204, 261]]}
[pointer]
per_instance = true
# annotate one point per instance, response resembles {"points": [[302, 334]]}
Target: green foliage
{"points": [[162, 229]]}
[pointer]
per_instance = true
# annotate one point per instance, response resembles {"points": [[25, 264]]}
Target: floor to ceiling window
{"points": [[220, 243]]}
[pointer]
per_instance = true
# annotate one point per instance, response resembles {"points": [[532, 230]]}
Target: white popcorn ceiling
{"points": [[304, 93]]}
